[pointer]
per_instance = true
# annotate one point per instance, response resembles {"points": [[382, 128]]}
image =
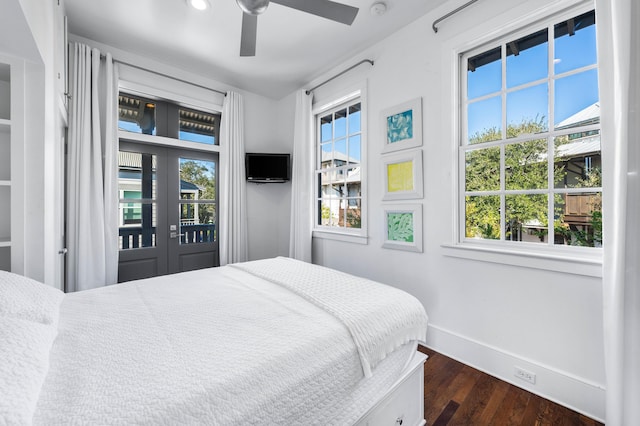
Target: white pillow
{"points": [[24, 351], [22, 297]]}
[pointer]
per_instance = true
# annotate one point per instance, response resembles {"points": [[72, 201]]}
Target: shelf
{"points": [[5, 242], [5, 125], [5, 183]]}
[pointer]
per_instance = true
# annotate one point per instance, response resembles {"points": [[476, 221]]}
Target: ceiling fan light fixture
{"points": [[199, 4], [253, 7]]}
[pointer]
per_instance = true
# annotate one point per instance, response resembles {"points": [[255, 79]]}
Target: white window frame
{"points": [[352, 235], [569, 259]]}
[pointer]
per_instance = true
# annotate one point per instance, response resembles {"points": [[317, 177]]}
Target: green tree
{"points": [[525, 169], [200, 174]]}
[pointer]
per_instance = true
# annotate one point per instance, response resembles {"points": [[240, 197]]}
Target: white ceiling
{"points": [[293, 47]]}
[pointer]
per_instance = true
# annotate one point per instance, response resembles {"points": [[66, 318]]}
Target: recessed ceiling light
{"points": [[199, 4], [378, 9]]}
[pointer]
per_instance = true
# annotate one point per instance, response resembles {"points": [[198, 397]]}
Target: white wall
{"points": [[43, 140], [268, 204], [489, 315]]}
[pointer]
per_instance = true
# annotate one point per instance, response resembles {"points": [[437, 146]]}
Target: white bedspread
{"points": [[380, 318], [203, 347]]}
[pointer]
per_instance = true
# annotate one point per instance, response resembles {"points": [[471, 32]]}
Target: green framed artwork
{"points": [[403, 175], [403, 227], [402, 126]]}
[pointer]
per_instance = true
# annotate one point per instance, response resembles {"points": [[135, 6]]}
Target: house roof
{"points": [[588, 115], [132, 163], [340, 156], [580, 147], [133, 160]]}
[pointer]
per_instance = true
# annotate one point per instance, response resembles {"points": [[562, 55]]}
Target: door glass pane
{"points": [[197, 223], [138, 204], [136, 114], [197, 183], [198, 126], [197, 179], [140, 232]]}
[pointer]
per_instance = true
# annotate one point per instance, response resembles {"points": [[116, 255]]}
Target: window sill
{"points": [[581, 263], [340, 236]]}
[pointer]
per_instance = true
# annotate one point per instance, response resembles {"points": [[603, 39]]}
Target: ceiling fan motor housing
{"points": [[253, 7]]}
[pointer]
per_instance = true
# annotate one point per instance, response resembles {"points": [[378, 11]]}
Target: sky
{"points": [[350, 146], [572, 93]]}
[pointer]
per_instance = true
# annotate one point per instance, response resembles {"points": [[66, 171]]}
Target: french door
{"points": [[167, 211]]}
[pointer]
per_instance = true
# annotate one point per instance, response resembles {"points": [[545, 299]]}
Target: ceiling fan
{"points": [[324, 8]]}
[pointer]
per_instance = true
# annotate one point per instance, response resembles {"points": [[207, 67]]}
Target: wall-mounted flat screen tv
{"points": [[268, 167]]}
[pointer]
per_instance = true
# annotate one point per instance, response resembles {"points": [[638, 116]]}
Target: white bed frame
{"points": [[403, 404]]}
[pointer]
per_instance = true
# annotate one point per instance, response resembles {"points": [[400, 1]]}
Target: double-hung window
{"points": [[339, 168], [530, 153]]}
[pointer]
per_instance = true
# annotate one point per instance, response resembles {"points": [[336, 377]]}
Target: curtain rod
{"points": [[338, 75], [453, 12], [102, 56]]}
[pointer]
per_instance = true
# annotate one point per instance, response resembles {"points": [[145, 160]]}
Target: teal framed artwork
{"points": [[402, 126], [403, 227]]}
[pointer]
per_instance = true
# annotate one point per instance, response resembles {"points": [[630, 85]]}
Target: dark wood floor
{"points": [[456, 394]]}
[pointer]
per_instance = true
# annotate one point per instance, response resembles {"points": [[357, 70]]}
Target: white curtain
{"points": [[92, 192], [618, 45], [301, 180], [233, 186]]}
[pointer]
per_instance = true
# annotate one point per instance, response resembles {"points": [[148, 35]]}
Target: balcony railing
{"points": [[137, 237]]}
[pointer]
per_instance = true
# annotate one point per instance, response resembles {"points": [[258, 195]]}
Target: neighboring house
{"points": [[130, 188], [581, 161], [341, 184]]}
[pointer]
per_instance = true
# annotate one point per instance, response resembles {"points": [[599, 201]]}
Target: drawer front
{"points": [[404, 407]]}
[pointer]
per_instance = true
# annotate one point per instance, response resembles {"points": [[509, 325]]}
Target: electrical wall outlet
{"points": [[525, 375]]}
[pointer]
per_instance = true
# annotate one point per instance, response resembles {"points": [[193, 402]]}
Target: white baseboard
{"points": [[564, 388]]}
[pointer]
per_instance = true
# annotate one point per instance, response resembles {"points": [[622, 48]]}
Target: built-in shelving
{"points": [[5, 166]]}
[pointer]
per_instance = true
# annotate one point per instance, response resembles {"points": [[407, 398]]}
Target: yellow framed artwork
{"points": [[403, 175]]}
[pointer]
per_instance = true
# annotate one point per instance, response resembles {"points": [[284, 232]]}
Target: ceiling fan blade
{"points": [[325, 8], [249, 34]]}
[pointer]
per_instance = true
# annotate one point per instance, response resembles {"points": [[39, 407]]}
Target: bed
{"points": [[270, 342]]}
